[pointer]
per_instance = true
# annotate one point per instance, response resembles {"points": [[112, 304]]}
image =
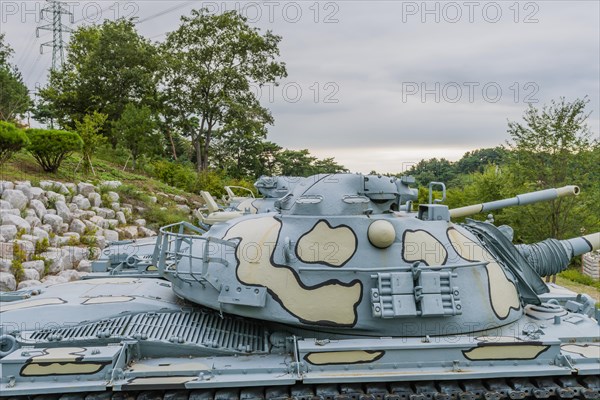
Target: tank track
{"points": [[586, 388]]}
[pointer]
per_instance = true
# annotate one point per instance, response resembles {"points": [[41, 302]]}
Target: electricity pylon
{"points": [[56, 10]]}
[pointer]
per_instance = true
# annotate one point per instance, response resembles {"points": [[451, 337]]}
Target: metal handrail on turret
{"points": [[174, 245]]}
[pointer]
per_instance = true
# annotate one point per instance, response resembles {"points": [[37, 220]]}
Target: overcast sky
{"points": [[381, 84]]}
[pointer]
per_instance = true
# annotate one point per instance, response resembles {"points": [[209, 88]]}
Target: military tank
{"points": [[342, 293]]}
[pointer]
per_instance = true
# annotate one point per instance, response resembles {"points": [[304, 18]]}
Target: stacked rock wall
{"points": [[51, 232], [591, 264]]}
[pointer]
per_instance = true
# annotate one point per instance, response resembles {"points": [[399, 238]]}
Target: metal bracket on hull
{"points": [[420, 292]]}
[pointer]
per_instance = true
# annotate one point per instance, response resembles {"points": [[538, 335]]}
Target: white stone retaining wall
{"points": [[73, 219], [591, 264]]}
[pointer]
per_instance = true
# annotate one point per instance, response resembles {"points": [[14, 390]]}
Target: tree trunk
{"points": [[172, 144], [199, 158], [204, 160], [206, 146]]}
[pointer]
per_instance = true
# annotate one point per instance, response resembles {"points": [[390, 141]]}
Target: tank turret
{"points": [[337, 256]]}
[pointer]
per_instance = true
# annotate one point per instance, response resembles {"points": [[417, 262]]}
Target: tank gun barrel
{"points": [[552, 256], [518, 200]]}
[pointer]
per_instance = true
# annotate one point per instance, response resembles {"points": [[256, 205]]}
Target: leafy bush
{"points": [[50, 147], [174, 174], [42, 246], [89, 240], [157, 217], [20, 233], [12, 139], [89, 129], [576, 276], [185, 177], [130, 193], [16, 267]]}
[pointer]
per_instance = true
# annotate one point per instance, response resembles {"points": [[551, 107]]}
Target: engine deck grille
{"points": [[190, 327]]}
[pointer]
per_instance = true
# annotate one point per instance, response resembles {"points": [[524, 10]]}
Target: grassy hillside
{"points": [[137, 187]]}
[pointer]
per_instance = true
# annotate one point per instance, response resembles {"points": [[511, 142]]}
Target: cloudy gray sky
{"points": [[381, 84]]}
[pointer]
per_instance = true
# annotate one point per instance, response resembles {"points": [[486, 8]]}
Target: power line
{"points": [[37, 79], [57, 11], [160, 34], [26, 49], [33, 64], [169, 10]]}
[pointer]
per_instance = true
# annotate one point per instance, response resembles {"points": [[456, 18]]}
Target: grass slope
{"points": [[136, 189]]}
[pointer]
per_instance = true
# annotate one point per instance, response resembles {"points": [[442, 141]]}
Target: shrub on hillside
{"points": [[12, 139], [576, 276], [185, 177], [178, 175], [50, 147], [157, 217]]}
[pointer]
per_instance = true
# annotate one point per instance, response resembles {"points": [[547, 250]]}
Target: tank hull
{"points": [[87, 343]]}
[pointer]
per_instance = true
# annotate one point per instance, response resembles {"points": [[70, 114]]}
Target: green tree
{"points": [[295, 162], [107, 67], [210, 65], [328, 166], [136, 130], [238, 144], [426, 171], [12, 139], [50, 147], [553, 147], [268, 158], [478, 160], [89, 129], [5, 50], [14, 95]]}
